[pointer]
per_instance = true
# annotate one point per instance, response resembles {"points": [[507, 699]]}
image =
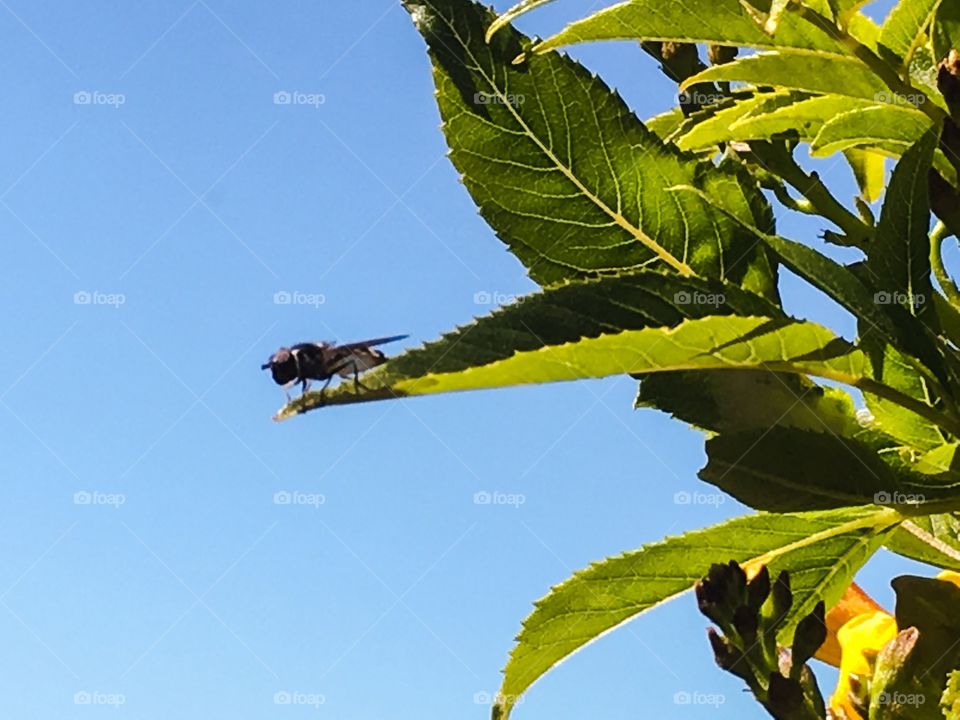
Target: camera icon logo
{"points": [[282, 497], [82, 97], [282, 297], [282, 97]]}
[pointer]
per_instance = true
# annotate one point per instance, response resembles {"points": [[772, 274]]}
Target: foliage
{"points": [[657, 255]]}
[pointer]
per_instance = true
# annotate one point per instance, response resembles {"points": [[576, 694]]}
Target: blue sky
{"points": [[154, 200]]}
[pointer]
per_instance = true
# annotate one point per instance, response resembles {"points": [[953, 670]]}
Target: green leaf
{"points": [[726, 123], [898, 266], [892, 127], [665, 124], [786, 470], [893, 368], [564, 172], [836, 74], [932, 539], [466, 360], [903, 30], [946, 30], [801, 119], [821, 550], [869, 170], [724, 22], [738, 400], [898, 260], [825, 274]]}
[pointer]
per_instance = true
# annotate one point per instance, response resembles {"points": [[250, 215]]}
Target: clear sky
{"points": [[154, 200]]}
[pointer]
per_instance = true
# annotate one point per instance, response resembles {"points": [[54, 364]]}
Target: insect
{"points": [[321, 361]]}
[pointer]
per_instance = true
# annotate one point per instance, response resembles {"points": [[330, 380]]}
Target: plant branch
{"points": [[779, 160], [947, 284]]}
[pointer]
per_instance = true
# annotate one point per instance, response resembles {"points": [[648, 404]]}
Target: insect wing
{"points": [[359, 356]]}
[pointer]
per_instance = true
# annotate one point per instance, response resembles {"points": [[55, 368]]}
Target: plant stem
{"points": [[949, 287], [780, 161]]}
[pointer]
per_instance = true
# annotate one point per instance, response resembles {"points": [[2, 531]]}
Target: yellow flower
{"points": [[857, 629], [861, 639]]}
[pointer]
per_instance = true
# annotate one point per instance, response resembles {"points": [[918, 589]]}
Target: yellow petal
{"points": [[861, 638], [950, 576], [854, 602]]}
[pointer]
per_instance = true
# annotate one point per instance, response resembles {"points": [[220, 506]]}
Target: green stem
{"points": [[779, 160], [949, 287]]}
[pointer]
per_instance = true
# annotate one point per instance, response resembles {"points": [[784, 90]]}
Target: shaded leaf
{"points": [[785, 470]]}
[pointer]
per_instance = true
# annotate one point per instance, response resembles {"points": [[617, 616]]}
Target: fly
{"points": [[322, 361]]}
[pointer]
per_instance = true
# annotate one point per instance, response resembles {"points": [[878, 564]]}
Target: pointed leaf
{"points": [[724, 22], [822, 73], [882, 126], [898, 260], [903, 30], [821, 550], [869, 170], [563, 171]]}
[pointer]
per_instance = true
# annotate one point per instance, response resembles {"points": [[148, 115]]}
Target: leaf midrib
{"points": [[679, 265]]}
